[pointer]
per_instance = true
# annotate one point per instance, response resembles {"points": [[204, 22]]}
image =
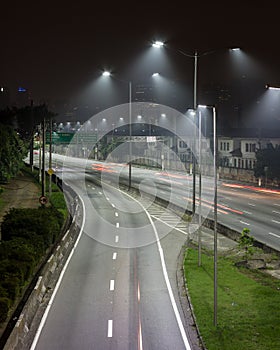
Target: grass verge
{"points": [[248, 304]]}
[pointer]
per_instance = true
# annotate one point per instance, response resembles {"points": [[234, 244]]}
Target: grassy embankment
{"points": [[248, 304]]}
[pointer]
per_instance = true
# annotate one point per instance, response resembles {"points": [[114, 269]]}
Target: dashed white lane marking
{"points": [[112, 285], [277, 222], [247, 212], [114, 256], [251, 204], [93, 188], [99, 192], [116, 239], [273, 234], [117, 224], [110, 329], [275, 211], [113, 205], [138, 292], [107, 198], [116, 214], [245, 223]]}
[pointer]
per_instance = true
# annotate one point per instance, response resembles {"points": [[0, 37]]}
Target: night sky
{"points": [[57, 49]]}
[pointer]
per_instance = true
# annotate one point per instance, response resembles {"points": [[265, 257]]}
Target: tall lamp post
{"points": [[215, 210], [108, 74], [195, 56]]}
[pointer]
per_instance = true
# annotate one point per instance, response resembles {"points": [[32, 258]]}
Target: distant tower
{"points": [[22, 97]]}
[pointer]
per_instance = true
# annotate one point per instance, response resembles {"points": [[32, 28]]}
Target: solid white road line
{"points": [[110, 329], [166, 278], [44, 318], [174, 228]]}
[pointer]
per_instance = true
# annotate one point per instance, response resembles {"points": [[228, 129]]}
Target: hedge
{"points": [[26, 236]]}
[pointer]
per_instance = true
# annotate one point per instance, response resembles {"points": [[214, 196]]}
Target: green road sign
{"points": [[67, 137], [59, 137], [82, 138]]}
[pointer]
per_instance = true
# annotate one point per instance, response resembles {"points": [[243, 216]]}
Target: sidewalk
{"points": [[20, 192]]}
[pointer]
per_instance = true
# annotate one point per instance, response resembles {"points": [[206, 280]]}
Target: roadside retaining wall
{"points": [[23, 333]]}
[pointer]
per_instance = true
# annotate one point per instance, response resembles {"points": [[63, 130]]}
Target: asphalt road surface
{"points": [[115, 293]]}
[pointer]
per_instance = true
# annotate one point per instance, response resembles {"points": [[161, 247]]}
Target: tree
{"points": [[268, 162], [12, 151]]}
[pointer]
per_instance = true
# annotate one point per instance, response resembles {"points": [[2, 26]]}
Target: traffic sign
{"points": [[75, 138], [59, 137], [50, 171], [43, 200], [82, 138]]}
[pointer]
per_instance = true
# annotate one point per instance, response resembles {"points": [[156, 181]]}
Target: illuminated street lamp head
{"points": [[106, 73], [158, 44], [272, 87], [155, 74], [191, 112], [235, 49]]}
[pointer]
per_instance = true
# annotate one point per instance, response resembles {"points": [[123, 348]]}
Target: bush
{"points": [[4, 308], [12, 285], [25, 223], [245, 242]]}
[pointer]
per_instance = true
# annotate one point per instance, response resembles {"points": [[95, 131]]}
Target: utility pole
{"points": [[31, 149], [43, 157], [50, 160]]}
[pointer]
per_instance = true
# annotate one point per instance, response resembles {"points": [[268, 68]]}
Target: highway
{"points": [[239, 205], [115, 293]]}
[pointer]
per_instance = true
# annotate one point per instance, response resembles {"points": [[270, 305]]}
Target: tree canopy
{"points": [[12, 151], [268, 162], [25, 119]]}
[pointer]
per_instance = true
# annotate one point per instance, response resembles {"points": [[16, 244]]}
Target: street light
{"points": [[195, 56], [215, 210], [108, 74], [272, 87]]}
